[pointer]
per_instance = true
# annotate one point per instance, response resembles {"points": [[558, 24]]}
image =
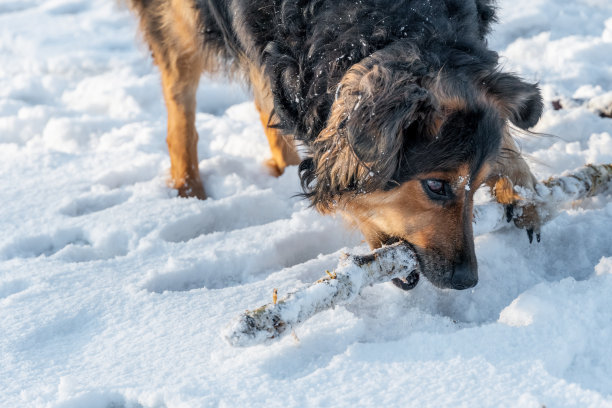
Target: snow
{"points": [[114, 293]]}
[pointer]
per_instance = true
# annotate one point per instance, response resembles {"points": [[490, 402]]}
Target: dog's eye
{"points": [[436, 189]]}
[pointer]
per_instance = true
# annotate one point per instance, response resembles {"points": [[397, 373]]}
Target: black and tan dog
{"points": [[402, 109]]}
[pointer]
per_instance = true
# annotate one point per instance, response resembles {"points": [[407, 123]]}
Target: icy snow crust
{"points": [[113, 292]]}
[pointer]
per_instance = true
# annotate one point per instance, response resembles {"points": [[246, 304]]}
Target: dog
{"points": [[401, 107]]}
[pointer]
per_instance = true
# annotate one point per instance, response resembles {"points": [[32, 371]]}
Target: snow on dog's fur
{"points": [[400, 104]]}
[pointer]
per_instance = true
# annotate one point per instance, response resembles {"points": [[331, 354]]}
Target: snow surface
{"points": [[113, 292]]}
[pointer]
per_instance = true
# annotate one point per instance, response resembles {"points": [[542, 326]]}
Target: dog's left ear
{"points": [[374, 104], [519, 101]]}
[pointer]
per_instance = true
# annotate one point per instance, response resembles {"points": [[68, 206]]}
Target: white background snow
{"points": [[113, 292]]}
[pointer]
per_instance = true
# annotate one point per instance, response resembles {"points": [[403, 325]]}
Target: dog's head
{"points": [[406, 146]]}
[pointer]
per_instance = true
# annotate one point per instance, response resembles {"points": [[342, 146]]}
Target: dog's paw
{"points": [[526, 217], [274, 169], [523, 215], [191, 188]]}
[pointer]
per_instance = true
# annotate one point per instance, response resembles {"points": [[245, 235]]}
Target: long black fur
{"points": [[404, 48]]}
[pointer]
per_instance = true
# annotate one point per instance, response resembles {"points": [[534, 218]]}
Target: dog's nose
{"points": [[465, 275]]}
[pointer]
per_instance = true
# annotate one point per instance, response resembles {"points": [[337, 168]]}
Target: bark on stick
{"points": [[354, 272]]}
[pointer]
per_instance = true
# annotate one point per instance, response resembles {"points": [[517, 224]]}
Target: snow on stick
{"points": [[354, 272], [551, 194], [584, 182]]}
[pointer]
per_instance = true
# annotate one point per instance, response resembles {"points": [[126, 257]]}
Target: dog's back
{"points": [[227, 30], [292, 54]]}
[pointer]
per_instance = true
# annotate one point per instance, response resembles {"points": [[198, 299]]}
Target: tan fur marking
{"points": [[504, 191], [282, 147], [510, 170], [180, 60], [447, 103], [283, 150], [408, 213]]}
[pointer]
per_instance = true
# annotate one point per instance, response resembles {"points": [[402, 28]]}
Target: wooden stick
{"points": [[354, 272], [551, 194], [584, 182]]}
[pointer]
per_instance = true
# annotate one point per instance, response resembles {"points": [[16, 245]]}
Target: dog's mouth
{"points": [[412, 279], [438, 270], [407, 283]]}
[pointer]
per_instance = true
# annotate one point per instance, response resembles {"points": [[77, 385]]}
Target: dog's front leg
{"points": [[180, 81], [511, 181], [282, 147], [172, 30]]}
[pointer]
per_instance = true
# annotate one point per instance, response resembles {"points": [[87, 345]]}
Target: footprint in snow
{"points": [[246, 210], [272, 247], [71, 245], [133, 174], [44, 244], [12, 287], [92, 203], [59, 336]]}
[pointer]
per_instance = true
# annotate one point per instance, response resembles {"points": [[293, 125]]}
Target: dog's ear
{"points": [[519, 101], [378, 105], [375, 103]]}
